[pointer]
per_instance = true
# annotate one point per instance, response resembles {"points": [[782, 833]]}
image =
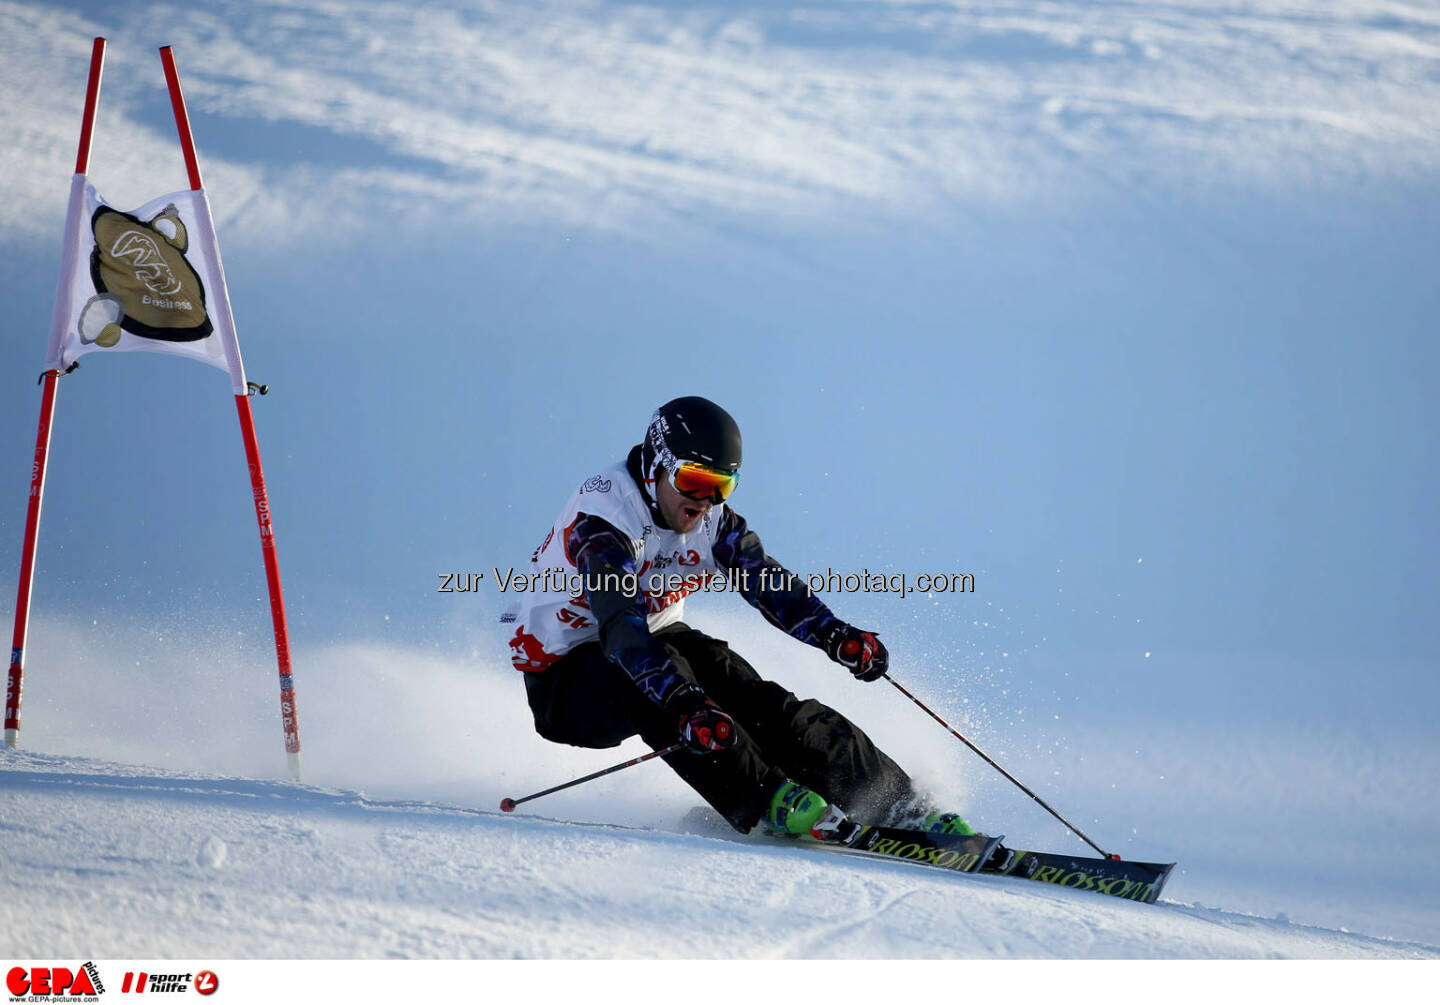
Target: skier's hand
{"points": [[862, 653], [707, 729]]}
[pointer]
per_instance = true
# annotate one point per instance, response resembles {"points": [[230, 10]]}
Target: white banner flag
{"points": [[149, 280]]}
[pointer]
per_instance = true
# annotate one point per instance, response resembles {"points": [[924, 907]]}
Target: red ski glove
{"points": [[707, 729], [862, 653]]}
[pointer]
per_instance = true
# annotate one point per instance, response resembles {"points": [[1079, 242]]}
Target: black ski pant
{"points": [[585, 700]]}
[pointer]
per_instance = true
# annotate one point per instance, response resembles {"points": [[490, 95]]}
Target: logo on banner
{"points": [[144, 283], [205, 983], [41, 983]]}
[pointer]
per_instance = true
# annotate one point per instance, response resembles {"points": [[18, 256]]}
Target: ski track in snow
{"points": [[106, 860]]}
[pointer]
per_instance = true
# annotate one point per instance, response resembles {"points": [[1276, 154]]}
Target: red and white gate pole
{"points": [[14, 682], [289, 719]]}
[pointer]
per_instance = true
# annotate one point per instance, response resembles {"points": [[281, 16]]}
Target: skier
{"points": [[606, 654]]}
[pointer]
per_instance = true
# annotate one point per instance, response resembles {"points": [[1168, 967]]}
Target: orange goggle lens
{"points": [[699, 482]]}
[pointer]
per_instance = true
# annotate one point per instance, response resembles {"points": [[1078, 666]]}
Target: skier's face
{"points": [[681, 512]]}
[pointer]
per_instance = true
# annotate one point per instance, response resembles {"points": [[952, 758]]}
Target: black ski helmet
{"points": [[689, 429]]}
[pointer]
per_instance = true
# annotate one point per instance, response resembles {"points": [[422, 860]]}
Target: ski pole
{"points": [[508, 805], [991, 761]]}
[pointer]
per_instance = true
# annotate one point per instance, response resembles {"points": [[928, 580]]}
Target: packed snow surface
{"points": [[142, 817], [101, 859]]}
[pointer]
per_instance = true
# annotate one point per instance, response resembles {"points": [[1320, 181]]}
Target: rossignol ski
{"points": [[1138, 881], [944, 851], [1141, 882]]}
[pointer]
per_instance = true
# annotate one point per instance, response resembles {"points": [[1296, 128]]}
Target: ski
{"points": [[1140, 882], [838, 833], [944, 851], [1137, 881]]}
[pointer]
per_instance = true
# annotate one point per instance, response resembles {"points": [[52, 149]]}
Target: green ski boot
{"points": [[794, 809], [946, 823]]}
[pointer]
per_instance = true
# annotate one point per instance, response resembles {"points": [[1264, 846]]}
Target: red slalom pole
{"points": [[14, 684], [508, 805], [289, 717], [92, 101], [990, 761], [15, 680], [182, 117]]}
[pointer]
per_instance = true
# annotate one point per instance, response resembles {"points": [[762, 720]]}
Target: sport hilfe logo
{"points": [[204, 982], [45, 982]]}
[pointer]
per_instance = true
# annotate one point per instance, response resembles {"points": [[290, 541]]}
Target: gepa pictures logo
{"points": [[52, 983]]}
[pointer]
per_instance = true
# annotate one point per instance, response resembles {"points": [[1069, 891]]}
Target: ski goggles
{"points": [[701, 482]]}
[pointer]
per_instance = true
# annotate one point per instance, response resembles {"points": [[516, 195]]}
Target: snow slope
{"points": [[101, 859], [1272, 823]]}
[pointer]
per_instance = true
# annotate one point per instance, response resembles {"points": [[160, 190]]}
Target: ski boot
{"points": [[946, 823], [1001, 859], [795, 810]]}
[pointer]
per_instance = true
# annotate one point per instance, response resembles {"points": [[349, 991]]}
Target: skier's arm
{"points": [[776, 592], [604, 558], [788, 604]]}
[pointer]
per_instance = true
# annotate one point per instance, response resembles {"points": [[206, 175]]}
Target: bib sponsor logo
{"points": [[526, 652]]}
